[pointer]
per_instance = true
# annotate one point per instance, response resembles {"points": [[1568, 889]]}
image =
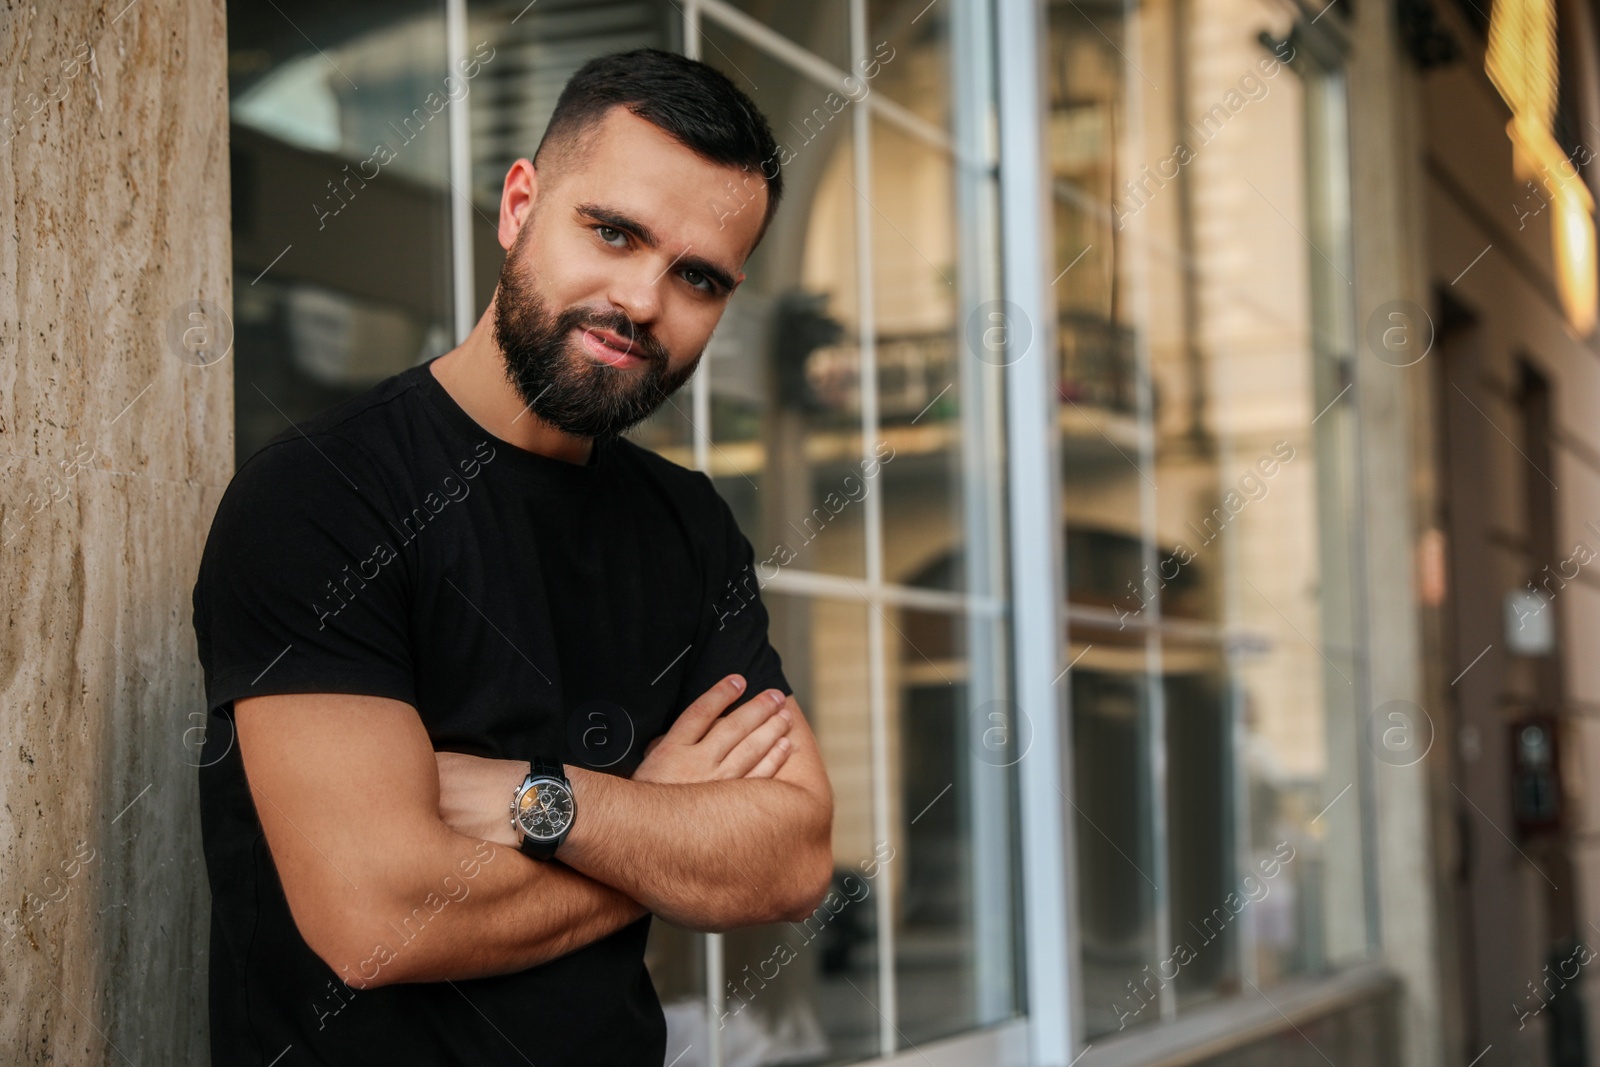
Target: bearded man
{"points": [[478, 708]]}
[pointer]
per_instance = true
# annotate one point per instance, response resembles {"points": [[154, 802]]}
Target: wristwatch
{"points": [[542, 809]]}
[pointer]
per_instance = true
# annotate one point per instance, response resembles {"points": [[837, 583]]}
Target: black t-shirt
{"points": [[525, 606]]}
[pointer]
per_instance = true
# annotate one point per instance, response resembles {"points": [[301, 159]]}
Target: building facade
{"points": [[1094, 406], [1506, 115]]}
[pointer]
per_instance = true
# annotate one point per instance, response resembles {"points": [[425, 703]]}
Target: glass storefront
{"points": [[1196, 155]]}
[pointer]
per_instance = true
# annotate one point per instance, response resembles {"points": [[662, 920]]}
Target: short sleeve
{"points": [[301, 587], [734, 626]]}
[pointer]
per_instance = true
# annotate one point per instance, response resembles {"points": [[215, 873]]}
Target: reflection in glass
{"points": [[822, 27], [920, 387], [956, 744], [783, 369], [1204, 322], [340, 204], [806, 992], [911, 41], [1115, 860], [1205, 902], [676, 960]]}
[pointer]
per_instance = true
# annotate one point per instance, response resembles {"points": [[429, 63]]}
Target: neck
{"points": [[474, 374]]}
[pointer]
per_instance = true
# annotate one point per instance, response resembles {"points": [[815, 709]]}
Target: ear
{"points": [[517, 197], [738, 281]]}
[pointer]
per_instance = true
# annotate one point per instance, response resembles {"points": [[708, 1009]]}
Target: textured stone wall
{"points": [[116, 439]]}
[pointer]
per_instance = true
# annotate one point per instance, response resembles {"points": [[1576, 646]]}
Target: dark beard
{"points": [[560, 383]]}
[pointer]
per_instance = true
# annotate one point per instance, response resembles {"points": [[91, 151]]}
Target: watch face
{"points": [[544, 811]]}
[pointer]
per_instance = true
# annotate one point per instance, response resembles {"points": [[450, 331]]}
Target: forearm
{"points": [[466, 909], [708, 856], [380, 887]]}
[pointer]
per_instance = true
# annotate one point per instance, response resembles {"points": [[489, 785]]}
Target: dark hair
{"points": [[691, 101]]}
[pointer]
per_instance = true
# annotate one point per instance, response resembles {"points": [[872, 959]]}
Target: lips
{"points": [[609, 348]]}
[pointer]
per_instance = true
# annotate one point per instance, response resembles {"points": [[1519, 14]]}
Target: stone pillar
{"points": [[1390, 266], [116, 440]]}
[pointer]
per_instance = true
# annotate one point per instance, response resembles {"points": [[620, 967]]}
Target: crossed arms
{"points": [[726, 823]]}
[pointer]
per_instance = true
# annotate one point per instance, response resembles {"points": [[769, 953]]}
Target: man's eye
{"points": [[611, 235], [698, 280]]}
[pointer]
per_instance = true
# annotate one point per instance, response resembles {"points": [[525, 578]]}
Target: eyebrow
{"points": [[647, 237]]}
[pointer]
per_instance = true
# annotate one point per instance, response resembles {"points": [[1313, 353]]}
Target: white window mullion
{"points": [[861, 130], [1034, 497], [712, 946], [991, 866]]}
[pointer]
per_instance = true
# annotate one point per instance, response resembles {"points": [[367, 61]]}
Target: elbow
{"points": [[812, 877], [367, 960], [343, 953], [360, 951], [793, 900], [811, 881], [794, 887], [793, 895], [805, 903], [361, 961]]}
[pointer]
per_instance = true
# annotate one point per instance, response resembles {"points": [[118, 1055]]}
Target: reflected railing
{"points": [[1098, 367]]}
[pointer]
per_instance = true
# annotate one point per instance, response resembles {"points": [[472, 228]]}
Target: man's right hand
{"points": [[700, 747], [706, 746]]}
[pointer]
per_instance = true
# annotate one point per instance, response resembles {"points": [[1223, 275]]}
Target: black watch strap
{"points": [[530, 847], [537, 850]]}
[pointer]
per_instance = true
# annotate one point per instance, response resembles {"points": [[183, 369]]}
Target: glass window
{"points": [[1202, 288], [341, 221], [783, 366]]}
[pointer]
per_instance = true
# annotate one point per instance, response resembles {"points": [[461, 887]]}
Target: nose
{"points": [[636, 292]]}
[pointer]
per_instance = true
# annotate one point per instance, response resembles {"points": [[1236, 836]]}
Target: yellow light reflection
{"points": [[1522, 64]]}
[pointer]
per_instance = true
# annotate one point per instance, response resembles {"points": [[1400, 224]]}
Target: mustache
{"points": [[639, 338]]}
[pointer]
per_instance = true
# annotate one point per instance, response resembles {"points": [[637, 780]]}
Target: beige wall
{"points": [[113, 453]]}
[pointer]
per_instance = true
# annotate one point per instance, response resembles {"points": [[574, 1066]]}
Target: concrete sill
{"points": [[1216, 1028]]}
